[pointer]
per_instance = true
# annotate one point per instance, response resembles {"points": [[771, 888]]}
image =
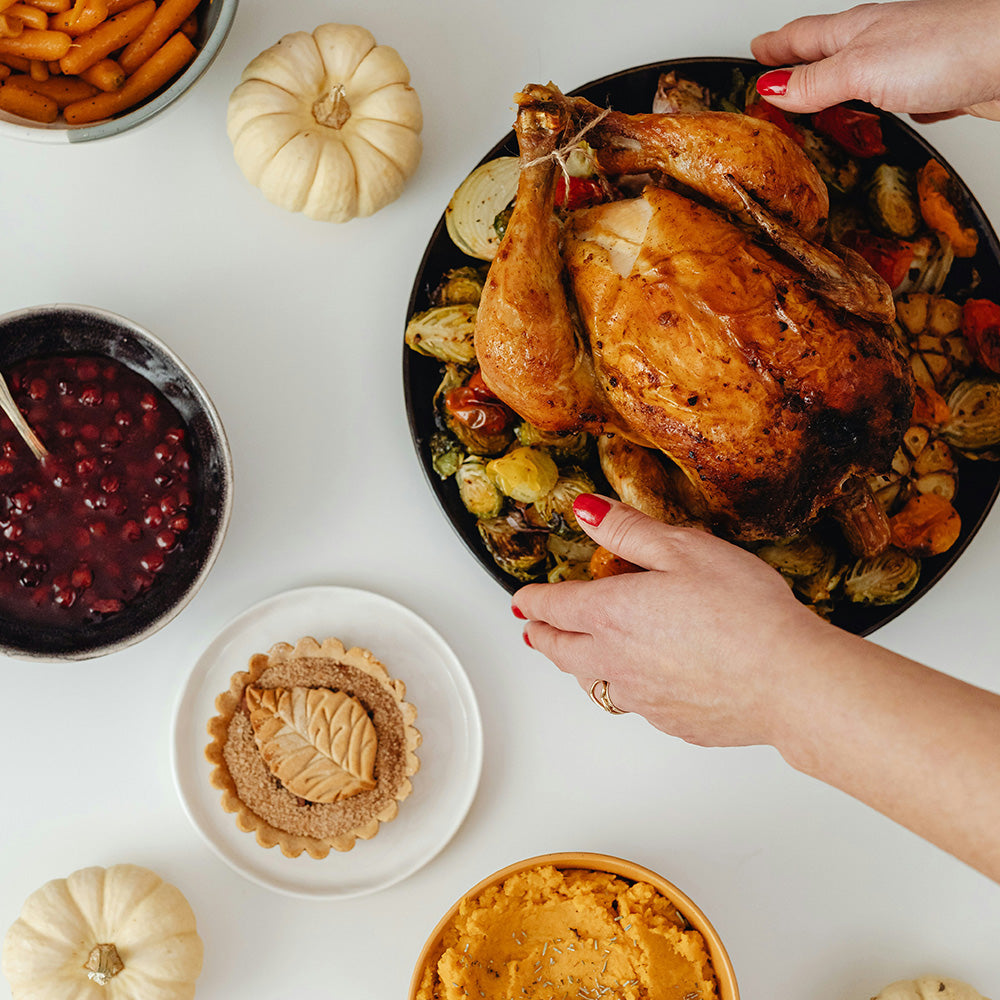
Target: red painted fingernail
{"points": [[774, 84], [517, 612], [527, 641], [590, 509]]}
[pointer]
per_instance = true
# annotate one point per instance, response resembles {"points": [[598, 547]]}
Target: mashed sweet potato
{"points": [[548, 933]]}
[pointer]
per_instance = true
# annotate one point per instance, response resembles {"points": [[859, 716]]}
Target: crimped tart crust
{"points": [[261, 803]]}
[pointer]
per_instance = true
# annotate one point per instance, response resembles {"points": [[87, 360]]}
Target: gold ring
{"points": [[603, 700]]}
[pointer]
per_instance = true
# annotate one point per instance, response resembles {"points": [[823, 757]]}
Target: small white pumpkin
{"points": [[929, 988], [118, 933], [326, 123]]}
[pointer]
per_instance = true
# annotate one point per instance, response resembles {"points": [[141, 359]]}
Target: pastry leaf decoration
{"points": [[320, 744]]}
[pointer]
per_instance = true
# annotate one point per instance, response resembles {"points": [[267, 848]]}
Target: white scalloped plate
{"points": [[447, 716]]}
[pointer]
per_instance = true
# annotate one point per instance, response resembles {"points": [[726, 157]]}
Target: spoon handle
{"points": [[9, 407]]}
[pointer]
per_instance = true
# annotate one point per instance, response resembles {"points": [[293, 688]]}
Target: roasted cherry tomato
{"points": [[889, 258], [859, 132], [765, 111], [474, 405], [581, 192], [981, 326]]}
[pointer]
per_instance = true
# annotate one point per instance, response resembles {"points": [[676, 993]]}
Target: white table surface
{"points": [[294, 327]]}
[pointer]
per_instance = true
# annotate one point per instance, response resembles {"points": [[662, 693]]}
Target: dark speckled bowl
{"points": [[76, 329]]}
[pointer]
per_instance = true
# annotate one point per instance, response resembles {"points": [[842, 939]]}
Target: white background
{"points": [[294, 328]]}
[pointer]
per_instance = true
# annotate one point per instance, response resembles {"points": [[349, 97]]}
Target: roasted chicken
{"points": [[730, 359]]}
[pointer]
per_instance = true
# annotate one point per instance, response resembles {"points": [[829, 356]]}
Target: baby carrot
{"points": [[52, 6], [169, 16], [105, 75], [16, 62], [38, 70], [62, 89], [117, 6], [28, 104], [10, 27], [75, 22], [30, 17], [4, 72], [33, 44], [4, 4], [162, 66], [95, 45]]}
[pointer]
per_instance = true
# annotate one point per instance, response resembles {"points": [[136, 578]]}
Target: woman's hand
{"points": [[931, 59], [701, 643]]}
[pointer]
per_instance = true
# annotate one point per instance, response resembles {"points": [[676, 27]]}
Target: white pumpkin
{"points": [[327, 123], [118, 933], [929, 988]]}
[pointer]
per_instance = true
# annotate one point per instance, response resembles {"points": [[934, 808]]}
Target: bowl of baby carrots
{"points": [[78, 70]]}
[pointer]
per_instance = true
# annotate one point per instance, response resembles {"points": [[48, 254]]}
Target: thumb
{"points": [[625, 531], [809, 87]]}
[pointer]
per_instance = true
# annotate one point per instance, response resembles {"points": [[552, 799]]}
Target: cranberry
{"points": [[65, 429], [9, 451], [81, 577], [87, 369], [98, 529], [183, 499], [163, 452], [123, 419], [6, 466], [112, 399], [148, 401], [166, 539], [150, 421], [175, 435], [110, 484], [11, 554], [106, 606], [141, 582], [152, 562], [34, 546], [153, 517], [89, 432], [31, 577], [163, 479], [86, 466], [81, 538], [183, 461], [91, 395], [131, 531], [111, 437], [180, 523], [38, 388], [64, 597], [23, 501], [13, 531], [168, 505], [117, 505], [63, 387]]}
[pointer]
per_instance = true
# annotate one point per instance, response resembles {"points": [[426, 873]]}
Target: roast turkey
{"points": [[725, 354]]}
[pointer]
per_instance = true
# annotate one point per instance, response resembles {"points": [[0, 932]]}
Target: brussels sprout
{"points": [[571, 557], [517, 549], [975, 414], [486, 192], [883, 579], [561, 445], [460, 285], [446, 454], [840, 171], [444, 332], [800, 556], [476, 488], [555, 508], [524, 474], [892, 200], [932, 260]]}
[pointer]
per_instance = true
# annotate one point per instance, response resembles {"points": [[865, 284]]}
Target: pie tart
{"points": [[313, 747]]}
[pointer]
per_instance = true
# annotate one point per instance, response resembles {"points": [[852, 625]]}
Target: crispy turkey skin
{"points": [[680, 324]]}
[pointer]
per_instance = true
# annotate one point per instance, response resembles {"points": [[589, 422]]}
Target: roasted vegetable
{"points": [[840, 171], [939, 353], [940, 201], [460, 285], [930, 265], [926, 526], [486, 192], [561, 445], [524, 474], [800, 556], [446, 454], [890, 258], [884, 579], [482, 424], [975, 414], [892, 200], [478, 493], [516, 547], [555, 508], [570, 557], [858, 132], [981, 326], [605, 563], [444, 332], [675, 94]]}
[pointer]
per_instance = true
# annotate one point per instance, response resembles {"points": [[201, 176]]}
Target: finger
{"points": [[941, 116], [816, 85], [570, 606], [567, 650], [631, 534], [811, 38], [592, 685]]}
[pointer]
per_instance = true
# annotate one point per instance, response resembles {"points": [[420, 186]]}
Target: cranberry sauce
{"points": [[86, 532]]}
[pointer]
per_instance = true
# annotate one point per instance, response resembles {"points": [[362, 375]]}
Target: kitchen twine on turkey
{"points": [[560, 154]]}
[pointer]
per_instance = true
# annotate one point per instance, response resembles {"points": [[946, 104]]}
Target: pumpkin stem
{"points": [[332, 109], [103, 964]]}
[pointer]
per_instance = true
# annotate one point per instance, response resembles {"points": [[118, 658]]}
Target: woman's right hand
{"points": [[931, 59]]}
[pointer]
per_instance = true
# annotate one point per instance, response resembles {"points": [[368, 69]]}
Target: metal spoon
{"points": [[9, 407]]}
